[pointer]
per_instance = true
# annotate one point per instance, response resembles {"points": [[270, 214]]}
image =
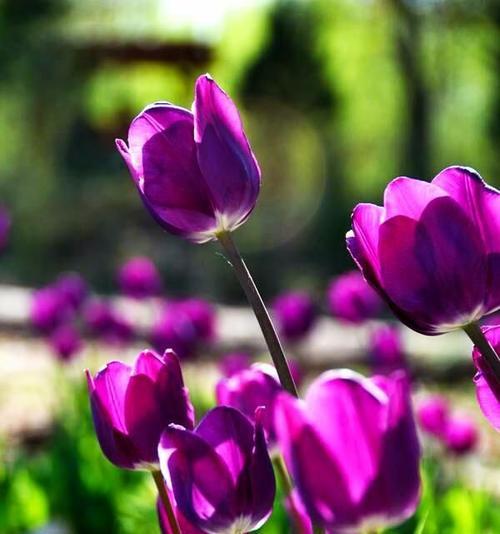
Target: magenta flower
{"points": [[433, 250], [98, 317], [49, 309], [131, 406], [298, 514], [433, 414], [294, 313], [250, 388], [487, 383], [461, 435], [351, 299], [220, 473], [65, 341], [195, 171], [185, 526], [202, 315], [139, 278], [352, 449], [73, 289], [234, 362], [386, 349]]}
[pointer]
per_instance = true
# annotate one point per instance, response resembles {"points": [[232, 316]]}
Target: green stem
{"points": [[165, 499], [479, 339], [282, 472], [260, 311]]}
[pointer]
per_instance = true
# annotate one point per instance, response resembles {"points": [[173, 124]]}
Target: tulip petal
{"points": [[224, 154], [426, 266], [318, 477], [409, 197], [349, 413], [230, 433], [199, 478]]}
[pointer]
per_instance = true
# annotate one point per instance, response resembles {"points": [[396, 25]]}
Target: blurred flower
{"points": [[48, 309], [432, 250], [65, 341], [73, 289], [250, 388], [105, 323], [461, 435], [175, 330], [185, 526], [294, 313], [386, 349], [234, 362], [139, 278], [5, 224], [352, 449], [295, 371], [220, 473], [487, 384], [131, 406], [202, 314], [432, 415], [195, 171], [351, 299], [298, 513]]}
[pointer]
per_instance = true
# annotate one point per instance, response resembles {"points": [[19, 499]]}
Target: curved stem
{"points": [[260, 311], [165, 500], [477, 337]]}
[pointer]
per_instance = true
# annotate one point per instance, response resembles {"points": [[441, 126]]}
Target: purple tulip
{"points": [[461, 435], [487, 383], [298, 514], [195, 171], [433, 415], [296, 371], [175, 330], [351, 299], [386, 349], [202, 315], [185, 526], [72, 288], [132, 406], [250, 388], [352, 449], [5, 224], [433, 250], [234, 362], [294, 313], [139, 278], [98, 317], [65, 341], [220, 473], [48, 309]]}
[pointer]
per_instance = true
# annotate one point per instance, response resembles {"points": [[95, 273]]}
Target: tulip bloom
{"points": [[185, 526], [386, 350], [234, 362], [487, 383], [131, 406], [220, 473], [351, 299], [139, 278], [433, 415], [432, 251], [202, 315], [294, 313], [195, 171], [352, 449], [72, 288], [65, 341], [49, 309], [461, 435], [250, 388]]}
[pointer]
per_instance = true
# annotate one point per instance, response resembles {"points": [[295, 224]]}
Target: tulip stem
{"points": [[255, 300], [165, 500], [489, 354]]}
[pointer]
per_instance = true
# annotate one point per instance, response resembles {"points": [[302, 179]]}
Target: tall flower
{"points": [[352, 450], [131, 406], [351, 299], [195, 171], [461, 436], [487, 383], [220, 473], [433, 250]]}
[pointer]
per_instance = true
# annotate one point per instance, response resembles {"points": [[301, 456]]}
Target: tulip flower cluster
{"points": [[456, 432]]}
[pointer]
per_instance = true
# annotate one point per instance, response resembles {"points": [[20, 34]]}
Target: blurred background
{"points": [[338, 97]]}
